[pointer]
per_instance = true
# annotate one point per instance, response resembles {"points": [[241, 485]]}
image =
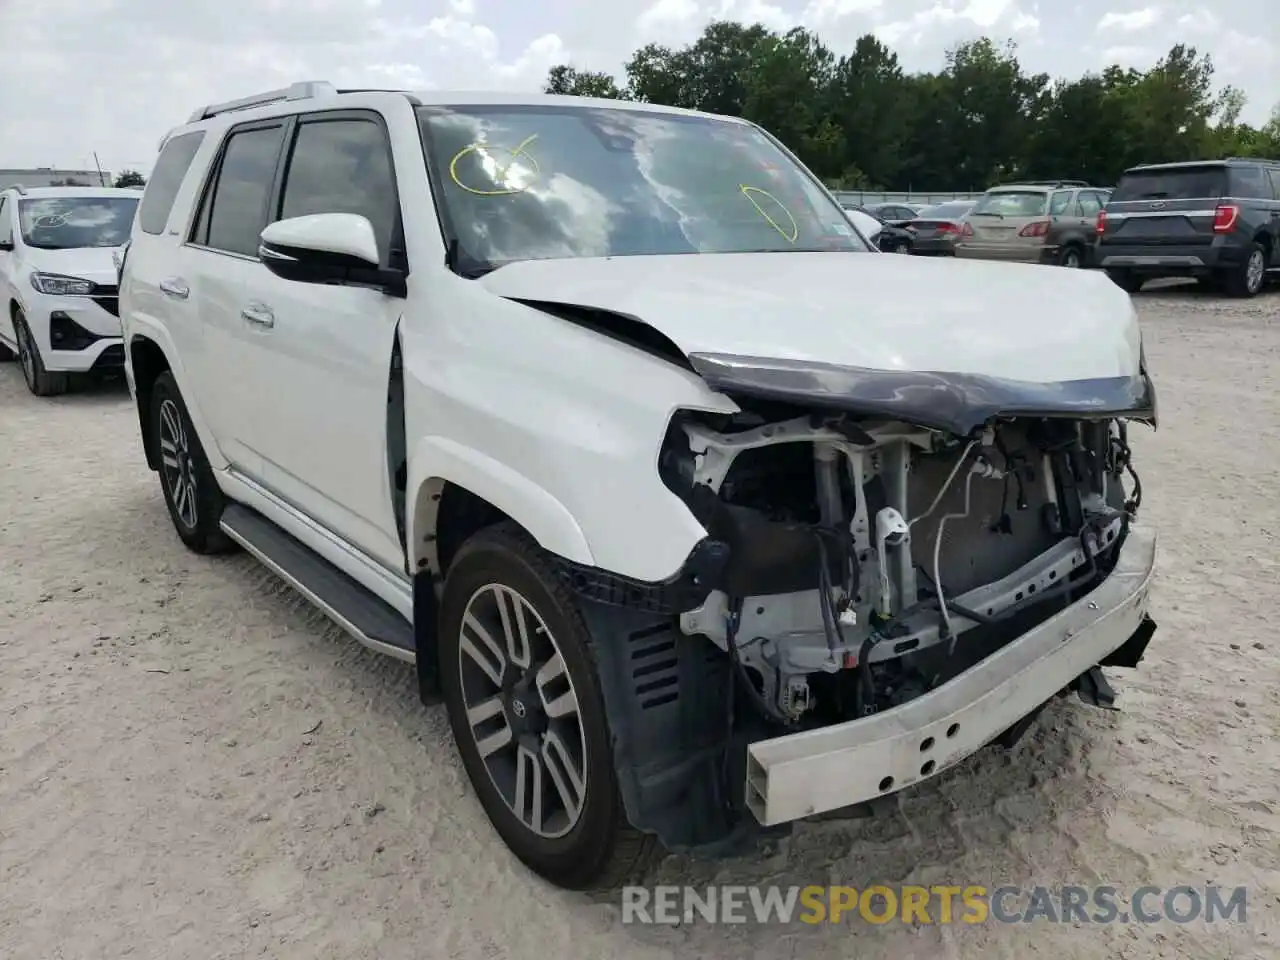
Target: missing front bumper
{"points": [[802, 774]]}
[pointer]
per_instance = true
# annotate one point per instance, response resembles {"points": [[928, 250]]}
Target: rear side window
{"points": [[1250, 183], [1013, 203], [1186, 183], [1275, 182], [235, 205], [166, 177], [6, 225], [343, 166], [1058, 205]]}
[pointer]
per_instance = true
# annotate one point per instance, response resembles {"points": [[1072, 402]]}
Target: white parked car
{"points": [[698, 518], [58, 252]]}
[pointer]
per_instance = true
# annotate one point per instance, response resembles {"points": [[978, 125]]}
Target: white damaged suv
{"points": [[604, 416], [59, 254]]}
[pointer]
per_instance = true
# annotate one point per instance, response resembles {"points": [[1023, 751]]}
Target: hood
{"points": [[94, 264], [1012, 322]]}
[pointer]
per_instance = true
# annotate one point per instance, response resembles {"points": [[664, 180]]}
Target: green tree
{"points": [[130, 178], [564, 79], [858, 120]]}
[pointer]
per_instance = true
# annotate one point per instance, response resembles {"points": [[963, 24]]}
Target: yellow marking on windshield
{"points": [[513, 181], [791, 236]]}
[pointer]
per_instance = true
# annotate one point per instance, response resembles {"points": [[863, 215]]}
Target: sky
{"points": [[112, 76]]}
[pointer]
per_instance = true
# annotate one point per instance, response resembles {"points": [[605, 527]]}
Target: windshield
{"points": [[1185, 183], [544, 182], [63, 223], [1013, 203], [944, 211]]}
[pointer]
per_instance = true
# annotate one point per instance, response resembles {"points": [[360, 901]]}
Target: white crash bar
{"points": [[816, 771]]}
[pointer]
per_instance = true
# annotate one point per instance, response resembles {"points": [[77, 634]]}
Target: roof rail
{"points": [[303, 90], [22, 191], [1254, 160], [1047, 183]]}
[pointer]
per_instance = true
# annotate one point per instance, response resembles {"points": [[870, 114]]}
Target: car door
{"points": [[1274, 175], [321, 354], [6, 268], [219, 264]]}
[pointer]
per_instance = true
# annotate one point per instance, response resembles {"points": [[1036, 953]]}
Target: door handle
{"points": [[259, 314], [175, 287]]}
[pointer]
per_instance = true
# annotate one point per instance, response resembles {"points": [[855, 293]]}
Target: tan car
{"points": [[1039, 222]]}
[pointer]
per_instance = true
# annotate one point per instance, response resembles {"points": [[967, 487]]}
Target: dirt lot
{"points": [[194, 764]]}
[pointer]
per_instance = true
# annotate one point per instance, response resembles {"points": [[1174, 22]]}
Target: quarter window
{"points": [[1090, 203], [342, 166], [1058, 205], [235, 209], [6, 226], [166, 178]]}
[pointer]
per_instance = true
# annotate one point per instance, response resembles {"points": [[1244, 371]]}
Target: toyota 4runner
{"points": [[602, 415]]}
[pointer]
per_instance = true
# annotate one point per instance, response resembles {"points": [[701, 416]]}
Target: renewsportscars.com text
{"points": [[938, 904]]}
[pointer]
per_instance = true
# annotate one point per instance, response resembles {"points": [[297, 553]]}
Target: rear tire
{"points": [[40, 381], [1248, 279], [190, 490], [1126, 280], [585, 842], [1071, 256]]}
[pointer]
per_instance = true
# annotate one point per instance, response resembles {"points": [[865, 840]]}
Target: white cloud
{"points": [[112, 76], [972, 18], [666, 13], [1198, 22], [1129, 20], [1130, 55]]}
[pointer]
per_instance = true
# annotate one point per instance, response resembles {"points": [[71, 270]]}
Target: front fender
{"points": [[145, 329], [546, 518]]}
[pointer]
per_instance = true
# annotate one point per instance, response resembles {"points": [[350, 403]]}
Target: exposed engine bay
{"points": [[873, 560]]}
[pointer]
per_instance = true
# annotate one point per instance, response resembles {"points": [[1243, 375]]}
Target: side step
{"points": [[366, 617]]}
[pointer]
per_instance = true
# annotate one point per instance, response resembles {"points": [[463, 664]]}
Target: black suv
{"points": [[1217, 221]]}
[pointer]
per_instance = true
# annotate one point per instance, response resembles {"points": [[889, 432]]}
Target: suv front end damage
{"points": [[909, 564]]}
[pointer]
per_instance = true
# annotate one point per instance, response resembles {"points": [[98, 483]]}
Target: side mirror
{"points": [[328, 248]]}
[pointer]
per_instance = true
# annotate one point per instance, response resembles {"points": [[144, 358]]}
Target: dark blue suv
{"points": [[1217, 221]]}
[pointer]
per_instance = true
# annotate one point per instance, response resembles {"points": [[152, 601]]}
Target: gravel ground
{"points": [[195, 764]]}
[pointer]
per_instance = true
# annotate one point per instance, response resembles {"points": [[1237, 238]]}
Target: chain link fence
{"points": [[928, 197]]}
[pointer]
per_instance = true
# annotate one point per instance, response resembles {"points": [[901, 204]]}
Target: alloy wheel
{"points": [[24, 353], [1072, 259], [522, 711], [1255, 270], [175, 455]]}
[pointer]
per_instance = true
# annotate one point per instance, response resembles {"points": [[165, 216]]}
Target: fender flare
{"points": [[435, 460], [143, 330]]}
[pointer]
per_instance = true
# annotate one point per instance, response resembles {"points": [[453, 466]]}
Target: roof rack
{"points": [[303, 90], [1045, 183]]}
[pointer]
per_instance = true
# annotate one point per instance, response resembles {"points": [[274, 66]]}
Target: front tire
{"points": [[528, 717], [40, 381], [190, 491]]}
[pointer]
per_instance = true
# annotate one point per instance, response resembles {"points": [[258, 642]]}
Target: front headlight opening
{"points": [[59, 286]]}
